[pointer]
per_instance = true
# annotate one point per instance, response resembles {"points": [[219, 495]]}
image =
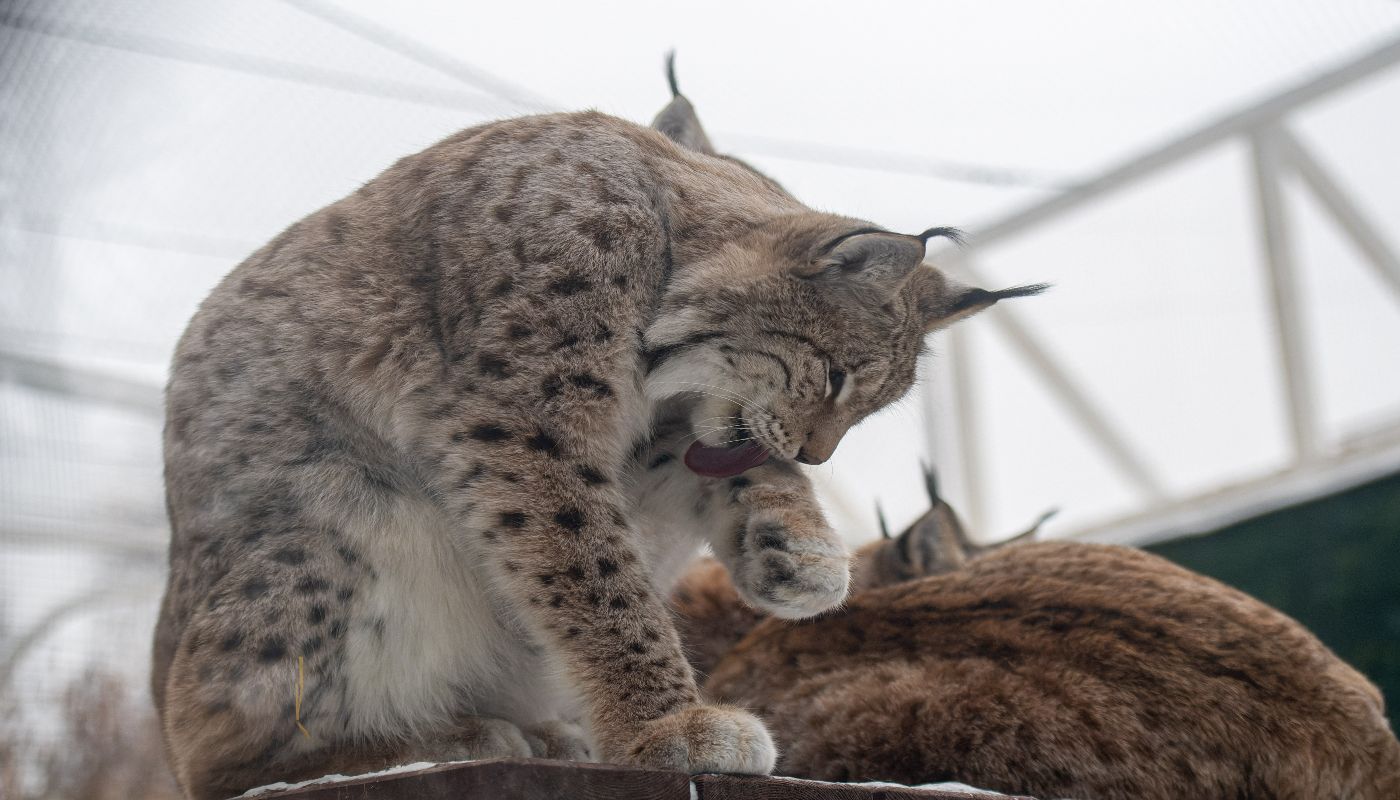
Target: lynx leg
{"points": [[765, 526], [475, 738], [232, 721], [783, 556], [472, 739]]}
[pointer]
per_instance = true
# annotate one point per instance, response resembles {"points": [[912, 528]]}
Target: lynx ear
{"points": [[871, 264], [943, 300], [678, 120]]}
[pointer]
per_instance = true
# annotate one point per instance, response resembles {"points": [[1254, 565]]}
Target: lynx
{"points": [[1050, 669], [410, 443]]}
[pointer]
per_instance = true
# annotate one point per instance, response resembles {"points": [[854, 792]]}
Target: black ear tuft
{"points": [[931, 484], [884, 526], [671, 74], [953, 235], [1039, 521], [943, 300], [1044, 517], [978, 299]]}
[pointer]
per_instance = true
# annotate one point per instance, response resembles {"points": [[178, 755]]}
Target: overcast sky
{"points": [[137, 179]]}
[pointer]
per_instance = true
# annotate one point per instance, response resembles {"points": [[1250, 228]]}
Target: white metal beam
{"points": [[1366, 459], [1268, 153], [1281, 276], [969, 440], [1340, 207], [261, 66], [416, 51], [1056, 379], [82, 383], [1233, 124]]}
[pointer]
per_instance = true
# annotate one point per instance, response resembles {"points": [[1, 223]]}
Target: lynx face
{"points": [[796, 330], [763, 375]]}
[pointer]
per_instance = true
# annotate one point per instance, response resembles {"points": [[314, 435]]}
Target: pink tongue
{"points": [[723, 462]]}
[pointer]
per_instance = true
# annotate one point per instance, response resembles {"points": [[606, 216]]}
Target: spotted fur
{"points": [[407, 451]]}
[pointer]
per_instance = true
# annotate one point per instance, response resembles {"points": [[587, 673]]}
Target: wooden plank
{"points": [[537, 779], [503, 779], [757, 787]]}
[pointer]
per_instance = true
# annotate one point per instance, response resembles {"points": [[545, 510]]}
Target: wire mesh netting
{"points": [[148, 146]]}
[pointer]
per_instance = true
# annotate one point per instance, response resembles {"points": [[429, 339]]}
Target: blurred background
{"points": [[1213, 188]]}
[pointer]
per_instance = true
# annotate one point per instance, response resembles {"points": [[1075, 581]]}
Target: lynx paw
{"points": [[479, 738], [705, 739], [561, 741], [790, 565]]}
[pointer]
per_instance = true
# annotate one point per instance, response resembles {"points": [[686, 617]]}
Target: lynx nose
{"points": [[821, 442]]}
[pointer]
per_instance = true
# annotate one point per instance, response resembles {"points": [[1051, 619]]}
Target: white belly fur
{"points": [[447, 648], [450, 643]]}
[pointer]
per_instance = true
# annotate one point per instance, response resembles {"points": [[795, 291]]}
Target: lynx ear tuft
{"points": [[671, 74], [1033, 530], [943, 300], [678, 120], [931, 484], [953, 235]]}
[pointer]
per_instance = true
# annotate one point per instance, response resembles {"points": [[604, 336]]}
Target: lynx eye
{"points": [[835, 381]]}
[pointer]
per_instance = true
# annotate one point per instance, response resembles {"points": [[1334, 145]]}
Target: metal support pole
{"points": [[1341, 208], [1112, 443], [969, 446], [82, 383], [1235, 123], [1281, 276], [414, 50]]}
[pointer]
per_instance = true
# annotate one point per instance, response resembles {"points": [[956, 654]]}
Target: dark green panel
{"points": [[1333, 564]]}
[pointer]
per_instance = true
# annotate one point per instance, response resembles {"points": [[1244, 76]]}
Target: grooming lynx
{"points": [[1052, 669], [409, 447]]}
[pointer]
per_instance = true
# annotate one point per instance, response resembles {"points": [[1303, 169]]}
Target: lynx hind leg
{"points": [[474, 738], [231, 725], [783, 556]]}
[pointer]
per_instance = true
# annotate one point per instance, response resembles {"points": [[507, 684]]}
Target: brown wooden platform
{"points": [[534, 779]]}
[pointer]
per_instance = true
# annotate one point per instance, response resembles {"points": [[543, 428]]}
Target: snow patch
{"points": [[282, 787]]}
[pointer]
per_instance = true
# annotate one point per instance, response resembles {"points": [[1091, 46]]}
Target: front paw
{"points": [[790, 564], [705, 739]]}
